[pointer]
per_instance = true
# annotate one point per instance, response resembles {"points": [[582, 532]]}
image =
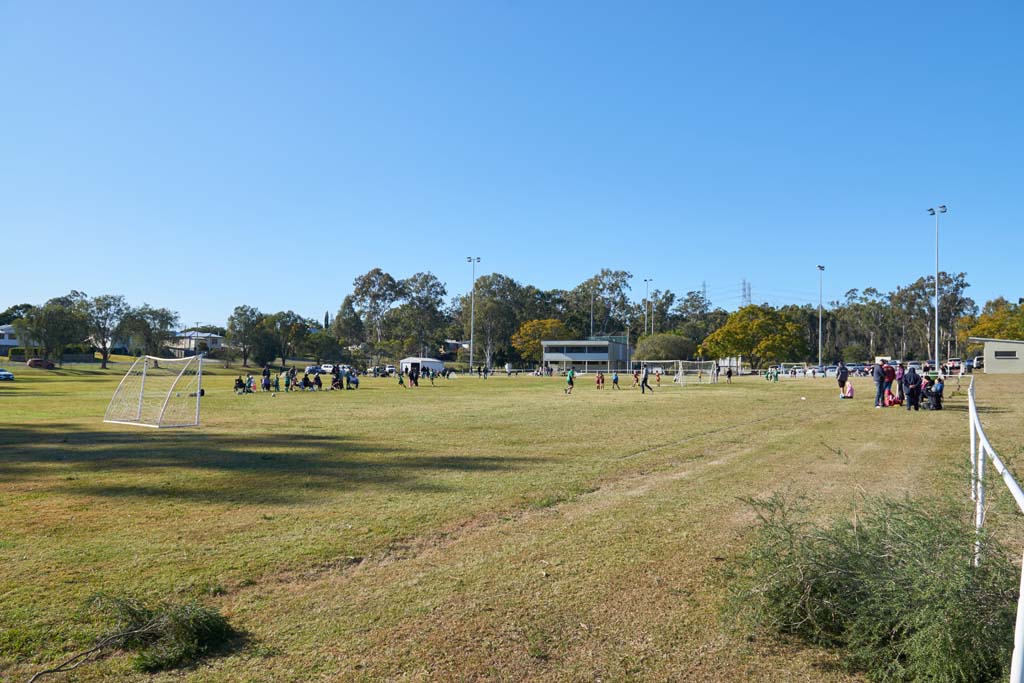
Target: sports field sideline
{"points": [[476, 530]]}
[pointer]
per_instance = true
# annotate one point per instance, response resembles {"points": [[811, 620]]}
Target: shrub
{"points": [[166, 635], [891, 586]]}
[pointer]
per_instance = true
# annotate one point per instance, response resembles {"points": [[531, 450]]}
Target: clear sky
{"points": [[200, 155]]}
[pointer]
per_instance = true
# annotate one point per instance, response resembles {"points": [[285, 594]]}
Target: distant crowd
{"points": [[911, 388], [340, 378]]}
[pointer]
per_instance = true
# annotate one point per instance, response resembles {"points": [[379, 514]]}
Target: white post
{"points": [[821, 277], [1016, 662], [938, 363], [142, 389], [199, 386]]}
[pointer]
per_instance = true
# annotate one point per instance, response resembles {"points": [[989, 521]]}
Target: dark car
{"points": [[40, 363]]}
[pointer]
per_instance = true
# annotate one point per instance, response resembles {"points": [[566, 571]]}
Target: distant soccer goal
{"points": [[793, 370], [681, 371], [159, 392]]}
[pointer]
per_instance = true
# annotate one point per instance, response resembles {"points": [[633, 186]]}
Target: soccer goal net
{"points": [[681, 371], [793, 370], [159, 392]]}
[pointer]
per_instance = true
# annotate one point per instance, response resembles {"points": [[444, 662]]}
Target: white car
{"points": [[327, 368], [6, 375], [915, 365]]}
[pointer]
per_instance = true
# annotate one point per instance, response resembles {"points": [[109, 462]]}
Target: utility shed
{"points": [[1002, 356]]}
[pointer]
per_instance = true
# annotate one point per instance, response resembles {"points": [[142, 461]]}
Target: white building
{"points": [[585, 355], [1002, 356], [187, 343], [8, 339], [421, 364]]}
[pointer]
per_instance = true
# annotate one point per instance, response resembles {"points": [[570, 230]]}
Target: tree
{"points": [[373, 295], [55, 324], [527, 339], [263, 345], [289, 329], [242, 329], [664, 346], [104, 316], [322, 346], [419, 320], [758, 333], [151, 328], [14, 312], [348, 326], [497, 306], [999, 320]]}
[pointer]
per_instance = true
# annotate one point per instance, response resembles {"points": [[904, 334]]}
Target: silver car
{"points": [[6, 375]]}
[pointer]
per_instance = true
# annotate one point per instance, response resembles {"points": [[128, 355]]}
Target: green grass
{"points": [[484, 530]]}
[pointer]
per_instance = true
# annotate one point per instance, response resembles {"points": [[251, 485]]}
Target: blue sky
{"points": [[201, 155]]}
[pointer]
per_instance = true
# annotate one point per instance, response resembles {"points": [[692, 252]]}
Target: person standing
{"points": [[615, 379], [912, 384], [570, 380], [878, 375], [900, 371], [728, 375], [842, 376], [644, 376], [717, 371], [890, 376]]}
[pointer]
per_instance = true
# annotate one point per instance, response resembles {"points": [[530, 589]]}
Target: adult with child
{"points": [[842, 377], [878, 375]]}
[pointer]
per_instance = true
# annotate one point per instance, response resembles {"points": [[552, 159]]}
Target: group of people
{"points": [[340, 379], [641, 378], [910, 386]]}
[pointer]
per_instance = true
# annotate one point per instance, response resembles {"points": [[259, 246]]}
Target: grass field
{"points": [[476, 530]]}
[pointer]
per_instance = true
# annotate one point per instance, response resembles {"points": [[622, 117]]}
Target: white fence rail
{"points": [[980, 449]]}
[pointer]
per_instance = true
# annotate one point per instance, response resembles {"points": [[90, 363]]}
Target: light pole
{"points": [[821, 276], [473, 260], [647, 296], [933, 212], [591, 311]]}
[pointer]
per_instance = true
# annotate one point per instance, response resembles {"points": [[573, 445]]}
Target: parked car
{"points": [[831, 371], [6, 375], [328, 368], [953, 365], [915, 365], [390, 369], [979, 362], [969, 365], [314, 370], [39, 363]]}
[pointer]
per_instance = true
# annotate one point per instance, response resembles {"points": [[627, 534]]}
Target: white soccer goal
{"points": [[793, 370], [159, 392], [681, 371]]}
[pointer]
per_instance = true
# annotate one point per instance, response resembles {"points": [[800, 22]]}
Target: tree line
{"points": [[384, 317]]}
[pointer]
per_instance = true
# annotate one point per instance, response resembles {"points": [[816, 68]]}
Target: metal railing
{"points": [[980, 448]]}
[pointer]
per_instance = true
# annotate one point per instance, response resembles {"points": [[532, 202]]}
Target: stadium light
{"points": [[821, 276], [934, 212], [647, 297], [473, 260]]}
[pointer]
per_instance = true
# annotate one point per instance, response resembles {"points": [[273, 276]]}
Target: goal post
{"points": [[681, 371], [159, 392]]}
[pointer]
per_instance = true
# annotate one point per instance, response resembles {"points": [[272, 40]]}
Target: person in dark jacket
{"points": [[912, 388], [842, 375], [878, 374]]}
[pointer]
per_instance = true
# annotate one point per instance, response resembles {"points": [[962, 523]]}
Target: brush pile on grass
{"points": [[164, 636], [891, 586]]}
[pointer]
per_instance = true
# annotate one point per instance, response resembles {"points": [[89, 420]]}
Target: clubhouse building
{"points": [[591, 355]]}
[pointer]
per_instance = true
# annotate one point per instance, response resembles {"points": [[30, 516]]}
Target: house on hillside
{"points": [[8, 339], [189, 343]]}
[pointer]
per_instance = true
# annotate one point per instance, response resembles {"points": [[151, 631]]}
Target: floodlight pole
{"points": [[591, 311], [473, 260], [821, 276], [647, 296], [936, 212]]}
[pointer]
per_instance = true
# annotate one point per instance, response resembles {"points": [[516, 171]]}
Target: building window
{"points": [[1006, 355]]}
